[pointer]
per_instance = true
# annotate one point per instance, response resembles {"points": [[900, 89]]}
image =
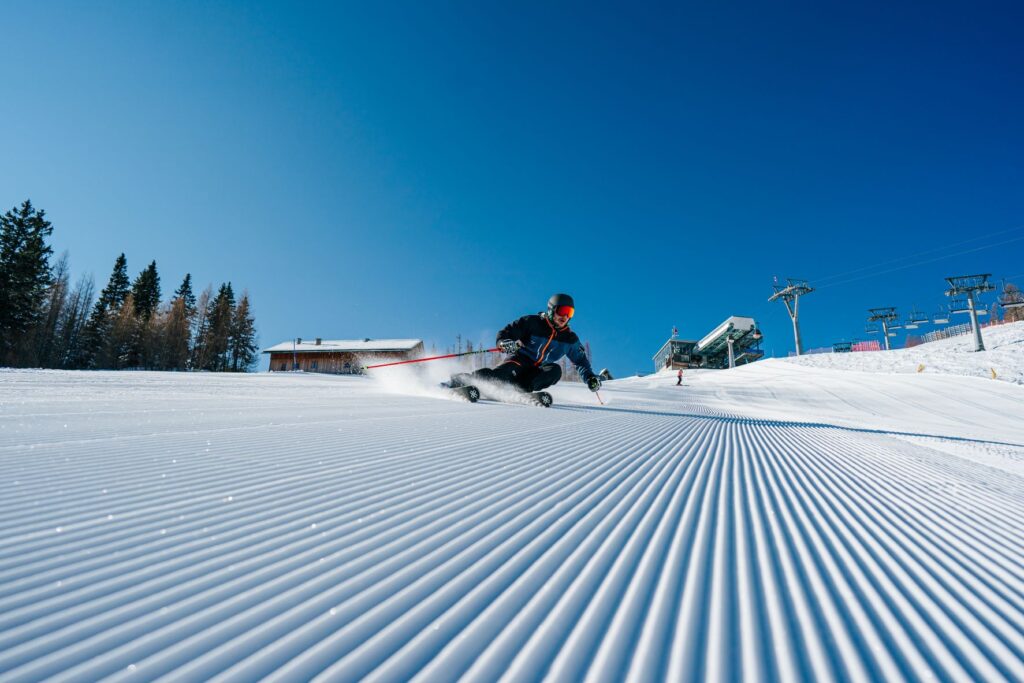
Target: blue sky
{"points": [[433, 169]]}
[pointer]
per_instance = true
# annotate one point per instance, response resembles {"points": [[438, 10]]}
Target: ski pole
{"points": [[598, 394], [423, 360]]}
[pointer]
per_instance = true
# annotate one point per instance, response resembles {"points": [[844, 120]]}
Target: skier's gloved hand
{"points": [[594, 383], [510, 345]]}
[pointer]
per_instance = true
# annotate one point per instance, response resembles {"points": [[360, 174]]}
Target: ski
{"points": [[541, 398], [534, 398], [465, 391], [460, 384]]}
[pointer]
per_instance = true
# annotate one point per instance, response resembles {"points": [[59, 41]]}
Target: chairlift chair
{"points": [[942, 317], [871, 328], [959, 306]]}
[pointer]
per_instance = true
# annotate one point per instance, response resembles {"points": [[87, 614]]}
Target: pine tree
{"points": [[116, 291], [219, 333], [146, 297], [24, 274], [96, 351], [146, 292], [242, 346], [176, 332], [184, 292]]}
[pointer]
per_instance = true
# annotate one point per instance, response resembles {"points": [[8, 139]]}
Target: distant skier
{"points": [[535, 344], [679, 380]]}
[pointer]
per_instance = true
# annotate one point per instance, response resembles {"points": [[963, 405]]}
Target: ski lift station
{"points": [[735, 342]]}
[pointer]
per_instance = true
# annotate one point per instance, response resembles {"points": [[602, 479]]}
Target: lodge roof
{"points": [[345, 345]]}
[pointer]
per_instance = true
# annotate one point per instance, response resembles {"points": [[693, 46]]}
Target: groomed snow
{"points": [[777, 522]]}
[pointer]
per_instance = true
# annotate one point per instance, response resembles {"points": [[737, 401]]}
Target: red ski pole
{"points": [[423, 360]]}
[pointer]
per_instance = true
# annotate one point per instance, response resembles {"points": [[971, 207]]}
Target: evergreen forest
{"points": [[48, 322]]}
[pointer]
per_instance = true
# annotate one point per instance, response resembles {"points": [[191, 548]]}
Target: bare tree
{"points": [[174, 350], [199, 356], [40, 345], [123, 333], [71, 326], [1012, 295]]}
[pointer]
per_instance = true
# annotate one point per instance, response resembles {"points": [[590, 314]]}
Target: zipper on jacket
{"points": [[545, 349]]}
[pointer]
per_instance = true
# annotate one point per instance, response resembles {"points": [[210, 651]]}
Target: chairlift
{"points": [[918, 318], [959, 306], [942, 317], [910, 324], [871, 328]]}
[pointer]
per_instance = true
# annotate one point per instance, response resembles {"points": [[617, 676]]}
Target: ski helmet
{"points": [[560, 301]]}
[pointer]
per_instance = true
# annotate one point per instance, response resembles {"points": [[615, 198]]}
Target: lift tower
{"points": [[887, 316], [971, 285], [790, 294]]}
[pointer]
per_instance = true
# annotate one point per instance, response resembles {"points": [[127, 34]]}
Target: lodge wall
{"points": [[333, 362]]}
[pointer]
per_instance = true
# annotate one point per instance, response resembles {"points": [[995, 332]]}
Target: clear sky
{"points": [[419, 169]]}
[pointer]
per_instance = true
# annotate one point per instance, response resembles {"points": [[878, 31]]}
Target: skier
{"points": [[679, 380], [535, 344]]}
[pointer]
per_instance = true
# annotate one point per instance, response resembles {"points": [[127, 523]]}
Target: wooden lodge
{"points": [[340, 356]]}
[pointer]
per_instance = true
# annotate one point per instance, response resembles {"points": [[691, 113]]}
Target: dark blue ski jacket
{"points": [[544, 343]]}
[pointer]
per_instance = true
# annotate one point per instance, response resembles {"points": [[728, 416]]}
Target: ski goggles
{"points": [[565, 311]]}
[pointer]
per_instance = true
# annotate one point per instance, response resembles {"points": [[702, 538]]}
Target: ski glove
{"points": [[594, 383], [510, 345]]}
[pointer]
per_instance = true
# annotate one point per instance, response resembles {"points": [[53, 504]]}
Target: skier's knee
{"points": [[549, 375]]}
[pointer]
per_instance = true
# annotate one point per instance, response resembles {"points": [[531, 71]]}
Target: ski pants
{"points": [[526, 377]]}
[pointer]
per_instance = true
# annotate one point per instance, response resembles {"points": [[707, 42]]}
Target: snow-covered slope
{"points": [[775, 522], [1003, 355]]}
